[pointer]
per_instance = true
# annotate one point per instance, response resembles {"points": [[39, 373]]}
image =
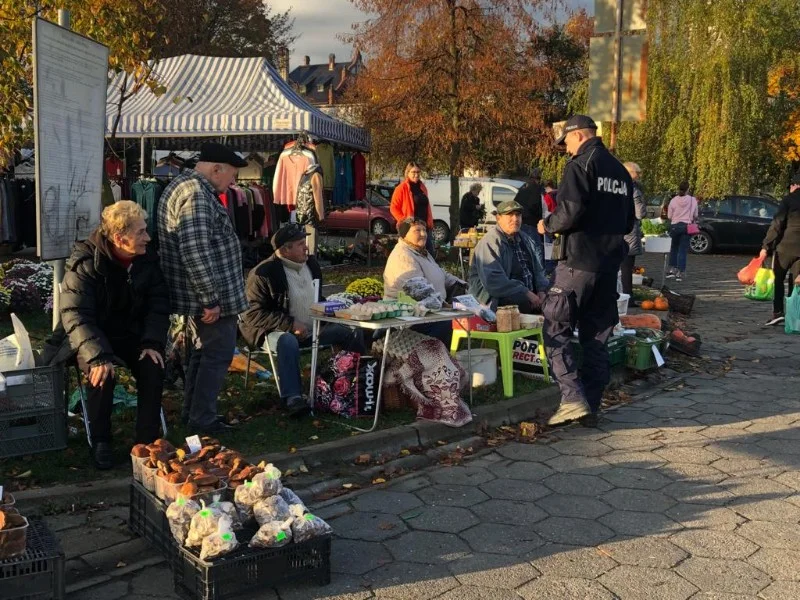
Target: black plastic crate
{"points": [[39, 573], [148, 520], [33, 412], [248, 570]]}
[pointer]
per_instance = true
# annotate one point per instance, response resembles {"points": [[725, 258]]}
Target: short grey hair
{"points": [[475, 187], [632, 167], [118, 217]]}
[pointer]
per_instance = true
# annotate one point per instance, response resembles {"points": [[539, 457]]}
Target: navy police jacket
{"points": [[595, 209]]}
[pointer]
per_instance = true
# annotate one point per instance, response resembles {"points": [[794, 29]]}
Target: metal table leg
{"points": [[314, 354], [469, 363]]}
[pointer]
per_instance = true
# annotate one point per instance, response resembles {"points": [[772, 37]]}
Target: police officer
{"points": [[594, 212]]}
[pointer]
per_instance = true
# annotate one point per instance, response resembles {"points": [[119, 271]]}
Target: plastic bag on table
{"points": [[272, 535], [228, 509], [308, 526], [273, 508], [792, 312], [204, 523], [747, 275], [292, 499], [222, 541], [179, 515]]}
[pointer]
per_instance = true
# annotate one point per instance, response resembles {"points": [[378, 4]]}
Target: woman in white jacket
{"points": [[409, 259]]}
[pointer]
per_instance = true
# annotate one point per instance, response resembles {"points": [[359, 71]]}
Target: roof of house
{"points": [[320, 74]]}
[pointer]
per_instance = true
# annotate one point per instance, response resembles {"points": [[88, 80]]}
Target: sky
{"points": [[318, 23]]}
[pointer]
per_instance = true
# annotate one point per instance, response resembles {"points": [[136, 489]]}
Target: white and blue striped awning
{"points": [[210, 96]]}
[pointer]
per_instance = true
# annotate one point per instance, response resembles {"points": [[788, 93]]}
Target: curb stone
{"points": [[388, 441]]}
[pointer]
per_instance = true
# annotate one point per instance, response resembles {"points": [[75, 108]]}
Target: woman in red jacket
{"points": [[410, 201]]}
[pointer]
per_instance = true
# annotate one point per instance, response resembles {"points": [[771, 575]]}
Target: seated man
{"points": [[411, 260], [507, 267], [280, 292], [115, 306]]}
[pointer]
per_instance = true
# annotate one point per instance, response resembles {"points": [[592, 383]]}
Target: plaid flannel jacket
{"points": [[200, 254]]}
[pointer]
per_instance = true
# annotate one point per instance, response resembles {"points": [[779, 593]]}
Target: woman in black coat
{"points": [[115, 310]]}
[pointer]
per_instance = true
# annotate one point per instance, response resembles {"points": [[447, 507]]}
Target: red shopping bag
{"points": [[747, 276]]}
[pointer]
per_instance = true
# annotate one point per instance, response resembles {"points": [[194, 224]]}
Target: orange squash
{"points": [[648, 305], [640, 321], [661, 303]]}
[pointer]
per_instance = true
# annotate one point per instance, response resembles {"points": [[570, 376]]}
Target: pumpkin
{"points": [[640, 321], [648, 305], [661, 303]]}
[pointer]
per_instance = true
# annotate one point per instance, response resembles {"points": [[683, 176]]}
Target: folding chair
{"points": [[85, 411], [272, 354]]}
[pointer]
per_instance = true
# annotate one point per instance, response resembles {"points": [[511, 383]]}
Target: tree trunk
{"points": [[455, 173]]}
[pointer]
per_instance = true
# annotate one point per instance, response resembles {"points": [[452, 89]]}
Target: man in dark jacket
{"points": [[115, 310], [783, 240], [529, 197], [593, 214], [280, 292]]}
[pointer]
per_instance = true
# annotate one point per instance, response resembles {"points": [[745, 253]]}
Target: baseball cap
{"points": [[508, 206], [219, 153], [573, 123], [288, 233]]}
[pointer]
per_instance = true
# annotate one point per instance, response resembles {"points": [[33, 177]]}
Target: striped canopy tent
{"points": [[211, 97]]}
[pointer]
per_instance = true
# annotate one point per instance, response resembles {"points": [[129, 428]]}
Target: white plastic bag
{"points": [[222, 541], [16, 352]]}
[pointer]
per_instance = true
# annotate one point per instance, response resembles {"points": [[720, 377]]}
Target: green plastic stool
{"points": [[505, 343]]}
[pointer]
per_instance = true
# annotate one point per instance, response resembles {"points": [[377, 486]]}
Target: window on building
{"points": [[321, 87]]}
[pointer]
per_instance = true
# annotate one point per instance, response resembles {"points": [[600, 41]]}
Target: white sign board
{"points": [[70, 76]]}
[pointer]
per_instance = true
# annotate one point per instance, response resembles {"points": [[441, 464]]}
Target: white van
{"points": [[493, 193]]}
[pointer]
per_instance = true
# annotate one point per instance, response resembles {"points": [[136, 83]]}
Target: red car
{"points": [[361, 216]]}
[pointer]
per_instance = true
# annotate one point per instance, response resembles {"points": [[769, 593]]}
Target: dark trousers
{"points": [[149, 387], [783, 266], [212, 351], [596, 315], [679, 248], [442, 331], [627, 273]]}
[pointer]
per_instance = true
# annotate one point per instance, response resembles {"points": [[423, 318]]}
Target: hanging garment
{"points": [[326, 161], [290, 168], [308, 196], [343, 189], [359, 176], [146, 193]]}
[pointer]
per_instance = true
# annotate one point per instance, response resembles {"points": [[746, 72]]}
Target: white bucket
{"points": [[484, 365], [658, 244], [622, 304], [638, 279]]}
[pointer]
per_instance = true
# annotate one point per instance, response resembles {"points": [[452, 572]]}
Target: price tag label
{"points": [[193, 441], [657, 354]]}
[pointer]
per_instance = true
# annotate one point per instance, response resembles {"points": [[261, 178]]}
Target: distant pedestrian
{"points": [[681, 213], [529, 197], [783, 240], [634, 237], [550, 195], [471, 211]]}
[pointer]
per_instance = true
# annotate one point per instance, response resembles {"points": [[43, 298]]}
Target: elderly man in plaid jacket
{"points": [[202, 263]]}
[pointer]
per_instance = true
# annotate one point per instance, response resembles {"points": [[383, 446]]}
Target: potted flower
{"points": [[656, 238]]}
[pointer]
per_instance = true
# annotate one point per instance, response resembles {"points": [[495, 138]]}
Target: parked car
{"points": [[494, 192], [733, 222], [654, 205], [359, 216]]}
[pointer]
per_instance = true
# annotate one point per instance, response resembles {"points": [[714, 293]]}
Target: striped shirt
{"points": [[200, 253]]}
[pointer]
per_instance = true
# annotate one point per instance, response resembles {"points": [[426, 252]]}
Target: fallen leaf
{"points": [[405, 452], [303, 469], [441, 443], [288, 472], [378, 480], [362, 459], [25, 474], [121, 564], [314, 437], [292, 450], [387, 526]]}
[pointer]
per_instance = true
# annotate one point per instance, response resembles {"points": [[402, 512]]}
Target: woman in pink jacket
{"points": [[681, 213]]}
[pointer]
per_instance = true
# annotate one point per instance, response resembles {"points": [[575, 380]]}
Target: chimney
{"points": [[330, 95], [331, 61], [344, 75], [306, 61], [283, 62]]}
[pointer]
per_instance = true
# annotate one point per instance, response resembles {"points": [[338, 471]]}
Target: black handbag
{"points": [[559, 247]]}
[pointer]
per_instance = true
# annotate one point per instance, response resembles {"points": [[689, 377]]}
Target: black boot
{"points": [[103, 456]]}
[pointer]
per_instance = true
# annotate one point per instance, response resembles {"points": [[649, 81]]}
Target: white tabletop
{"points": [[398, 322]]}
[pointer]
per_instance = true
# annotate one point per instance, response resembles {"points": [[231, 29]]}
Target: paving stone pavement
{"points": [[691, 493]]}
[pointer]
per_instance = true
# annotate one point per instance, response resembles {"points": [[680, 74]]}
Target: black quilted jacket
{"points": [[102, 301]]}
